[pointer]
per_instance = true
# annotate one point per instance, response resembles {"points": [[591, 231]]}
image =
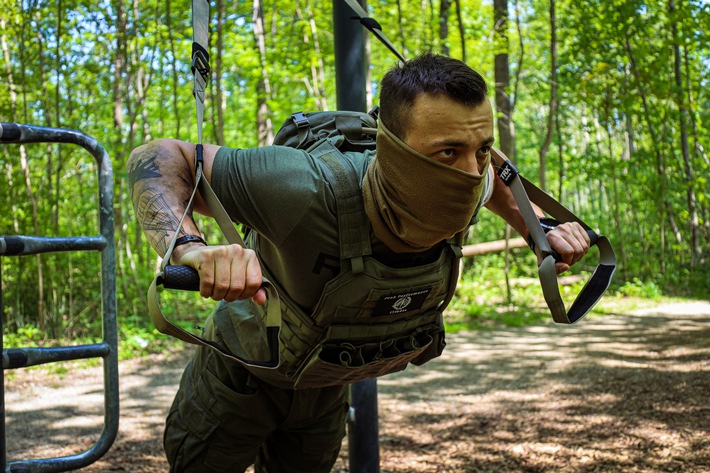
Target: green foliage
{"points": [[120, 72], [638, 288]]}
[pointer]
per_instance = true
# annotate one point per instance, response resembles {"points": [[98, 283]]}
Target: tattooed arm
{"points": [[161, 177]]}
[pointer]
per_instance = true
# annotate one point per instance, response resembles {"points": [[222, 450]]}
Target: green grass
{"points": [[480, 303]]}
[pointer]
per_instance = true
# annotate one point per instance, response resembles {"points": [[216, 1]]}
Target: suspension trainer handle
{"points": [[524, 193], [187, 279], [182, 278]]}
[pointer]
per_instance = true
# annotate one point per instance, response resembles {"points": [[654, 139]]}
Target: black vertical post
{"points": [[349, 44], [3, 447], [350, 76]]}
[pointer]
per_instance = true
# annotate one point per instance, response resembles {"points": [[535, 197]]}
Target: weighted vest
{"points": [[371, 319]]}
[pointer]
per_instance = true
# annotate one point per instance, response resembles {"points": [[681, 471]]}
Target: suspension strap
{"points": [[525, 192], [374, 27], [186, 278]]}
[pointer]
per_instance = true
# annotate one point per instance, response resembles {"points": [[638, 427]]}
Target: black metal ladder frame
{"points": [[13, 133]]}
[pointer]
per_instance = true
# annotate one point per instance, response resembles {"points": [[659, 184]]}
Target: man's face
{"points": [[451, 132]]}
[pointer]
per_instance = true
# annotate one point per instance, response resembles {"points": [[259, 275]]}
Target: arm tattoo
{"points": [[156, 216], [158, 199], [145, 167]]}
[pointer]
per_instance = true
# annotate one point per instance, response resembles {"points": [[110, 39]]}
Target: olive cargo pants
{"points": [[223, 419]]}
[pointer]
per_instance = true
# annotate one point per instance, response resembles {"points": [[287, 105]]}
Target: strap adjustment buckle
{"points": [[300, 120], [200, 60]]}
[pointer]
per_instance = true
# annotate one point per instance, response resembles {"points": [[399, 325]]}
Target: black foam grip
{"points": [[16, 358], [10, 132], [183, 278], [11, 246], [593, 237]]}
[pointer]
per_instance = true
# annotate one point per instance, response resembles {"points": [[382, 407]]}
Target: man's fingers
{"points": [[571, 241], [227, 272], [245, 276]]}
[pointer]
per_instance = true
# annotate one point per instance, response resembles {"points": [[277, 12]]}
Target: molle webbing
{"points": [[348, 337], [353, 226]]}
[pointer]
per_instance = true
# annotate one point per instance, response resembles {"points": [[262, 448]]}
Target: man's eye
{"points": [[447, 153], [485, 150]]}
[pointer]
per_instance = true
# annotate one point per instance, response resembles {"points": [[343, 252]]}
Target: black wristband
{"points": [[187, 239], [547, 224]]}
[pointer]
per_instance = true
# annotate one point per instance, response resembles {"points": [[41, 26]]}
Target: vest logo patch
{"points": [[391, 304]]}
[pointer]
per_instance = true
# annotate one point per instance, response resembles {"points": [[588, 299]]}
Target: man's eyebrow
{"points": [[453, 143]]}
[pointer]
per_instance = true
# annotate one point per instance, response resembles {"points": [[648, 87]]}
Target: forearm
{"points": [[161, 180], [503, 204]]}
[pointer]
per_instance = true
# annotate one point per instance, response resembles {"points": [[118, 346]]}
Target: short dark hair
{"points": [[430, 74]]}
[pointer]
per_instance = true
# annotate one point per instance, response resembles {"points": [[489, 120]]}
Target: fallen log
{"points": [[493, 247]]}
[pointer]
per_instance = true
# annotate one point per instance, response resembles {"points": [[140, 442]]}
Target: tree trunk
{"points": [[264, 127], [218, 101], [503, 106], [694, 242], [173, 68], [553, 97], [462, 30], [616, 214], [41, 316], [502, 77], [663, 207], [400, 25], [444, 6], [316, 83]]}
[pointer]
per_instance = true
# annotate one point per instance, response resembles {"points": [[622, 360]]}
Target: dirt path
{"points": [[619, 393]]}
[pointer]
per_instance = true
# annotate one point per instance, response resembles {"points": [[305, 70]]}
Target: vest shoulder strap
{"points": [[353, 225]]}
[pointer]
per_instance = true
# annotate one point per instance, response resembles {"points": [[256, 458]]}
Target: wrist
{"points": [[185, 244], [185, 239]]}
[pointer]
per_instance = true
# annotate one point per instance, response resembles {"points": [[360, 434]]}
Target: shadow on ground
{"points": [[614, 393]]}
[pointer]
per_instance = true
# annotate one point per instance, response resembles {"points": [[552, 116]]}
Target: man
{"points": [[429, 177]]}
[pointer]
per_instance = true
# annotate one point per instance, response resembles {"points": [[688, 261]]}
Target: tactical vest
{"points": [[371, 319]]}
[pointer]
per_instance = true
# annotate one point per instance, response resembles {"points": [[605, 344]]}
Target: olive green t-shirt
{"points": [[282, 194]]}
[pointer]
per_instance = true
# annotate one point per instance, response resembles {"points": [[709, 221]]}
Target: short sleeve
{"points": [[269, 188]]}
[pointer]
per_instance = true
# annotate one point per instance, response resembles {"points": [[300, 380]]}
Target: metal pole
{"points": [[3, 445], [350, 76], [349, 42]]}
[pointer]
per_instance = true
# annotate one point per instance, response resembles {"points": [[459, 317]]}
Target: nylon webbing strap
{"points": [[353, 226], [525, 192], [200, 69], [374, 27], [200, 62]]}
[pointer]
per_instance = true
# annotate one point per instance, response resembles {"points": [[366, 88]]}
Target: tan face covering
{"points": [[413, 201]]}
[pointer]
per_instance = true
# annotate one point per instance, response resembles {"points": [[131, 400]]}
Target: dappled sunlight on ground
{"points": [[612, 393]]}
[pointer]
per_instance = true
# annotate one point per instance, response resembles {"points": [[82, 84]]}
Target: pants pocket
{"points": [[188, 426]]}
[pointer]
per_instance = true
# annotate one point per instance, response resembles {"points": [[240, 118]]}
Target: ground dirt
{"points": [[618, 393]]}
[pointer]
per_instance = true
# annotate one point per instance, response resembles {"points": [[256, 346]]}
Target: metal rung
{"points": [[31, 245], [22, 357], [108, 349]]}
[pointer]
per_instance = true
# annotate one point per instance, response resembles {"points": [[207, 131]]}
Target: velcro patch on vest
{"points": [[390, 304]]}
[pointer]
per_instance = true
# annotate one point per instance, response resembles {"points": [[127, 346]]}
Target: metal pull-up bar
{"points": [[18, 245]]}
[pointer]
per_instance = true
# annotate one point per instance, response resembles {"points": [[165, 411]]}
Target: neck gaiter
{"points": [[414, 201]]}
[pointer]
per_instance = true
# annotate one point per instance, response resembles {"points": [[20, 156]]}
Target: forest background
{"points": [[603, 103]]}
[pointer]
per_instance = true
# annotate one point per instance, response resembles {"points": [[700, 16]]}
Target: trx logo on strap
{"points": [[507, 172], [403, 302]]}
